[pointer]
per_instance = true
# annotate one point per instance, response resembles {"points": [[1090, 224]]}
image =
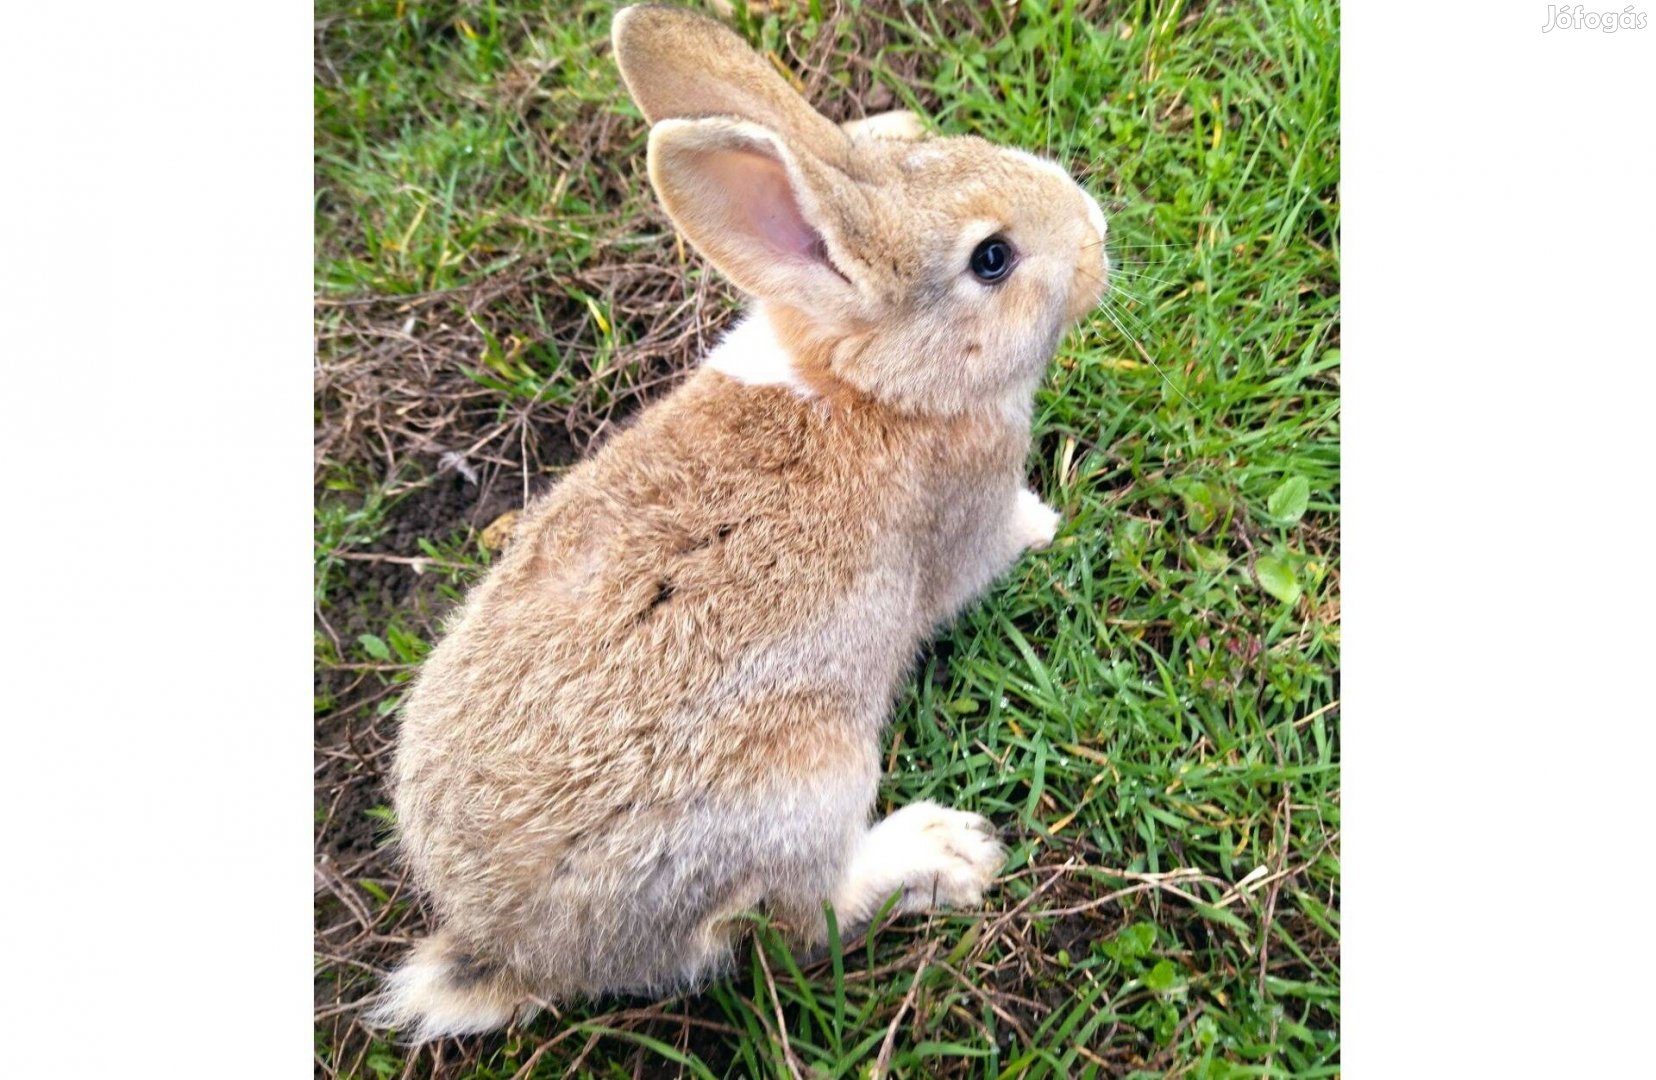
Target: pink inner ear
{"points": [[761, 203]]}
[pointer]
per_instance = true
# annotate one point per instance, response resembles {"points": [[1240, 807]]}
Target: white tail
{"points": [[440, 991]]}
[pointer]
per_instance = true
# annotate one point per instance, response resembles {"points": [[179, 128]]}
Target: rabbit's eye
{"points": [[991, 259]]}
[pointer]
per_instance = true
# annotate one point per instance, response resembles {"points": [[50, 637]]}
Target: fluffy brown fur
{"points": [[662, 709]]}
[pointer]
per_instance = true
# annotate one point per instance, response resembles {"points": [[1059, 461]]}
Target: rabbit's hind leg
{"points": [[780, 850]]}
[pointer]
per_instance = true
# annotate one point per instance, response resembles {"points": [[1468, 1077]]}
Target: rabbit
{"points": [[661, 709]]}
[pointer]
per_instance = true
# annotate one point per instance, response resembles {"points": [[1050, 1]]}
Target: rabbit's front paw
{"points": [[1033, 521], [948, 857]]}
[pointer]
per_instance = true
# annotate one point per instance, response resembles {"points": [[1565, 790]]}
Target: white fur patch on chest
{"points": [[751, 353]]}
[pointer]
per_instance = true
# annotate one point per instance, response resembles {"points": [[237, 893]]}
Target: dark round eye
{"points": [[991, 259]]}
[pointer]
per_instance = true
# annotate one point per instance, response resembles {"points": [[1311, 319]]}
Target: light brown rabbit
{"points": [[662, 709]]}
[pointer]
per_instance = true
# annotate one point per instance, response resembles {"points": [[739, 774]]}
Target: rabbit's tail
{"points": [[442, 989]]}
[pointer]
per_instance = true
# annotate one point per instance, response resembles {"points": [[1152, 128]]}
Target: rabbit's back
{"points": [[711, 614]]}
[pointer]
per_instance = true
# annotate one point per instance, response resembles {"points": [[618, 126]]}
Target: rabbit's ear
{"points": [[680, 65], [770, 220]]}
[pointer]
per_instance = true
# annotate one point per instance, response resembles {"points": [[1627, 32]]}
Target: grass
{"points": [[1150, 709]]}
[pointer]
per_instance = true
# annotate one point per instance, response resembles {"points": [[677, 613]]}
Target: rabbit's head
{"points": [[934, 274]]}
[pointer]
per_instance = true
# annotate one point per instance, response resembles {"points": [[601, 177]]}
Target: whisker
{"points": [[1124, 271], [1124, 294], [1136, 259], [1146, 256], [1120, 329], [1137, 266], [1147, 357], [1137, 325]]}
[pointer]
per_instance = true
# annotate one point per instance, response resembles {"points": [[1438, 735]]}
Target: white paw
{"points": [[1033, 521], [946, 858]]}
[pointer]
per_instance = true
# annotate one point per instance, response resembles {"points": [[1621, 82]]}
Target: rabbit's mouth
{"points": [[1091, 279]]}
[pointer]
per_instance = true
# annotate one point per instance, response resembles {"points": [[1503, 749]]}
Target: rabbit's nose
{"points": [[1095, 216]]}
